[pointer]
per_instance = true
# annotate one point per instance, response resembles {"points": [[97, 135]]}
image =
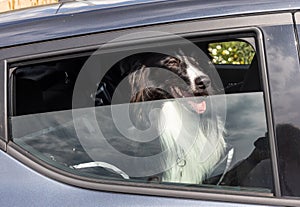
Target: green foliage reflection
{"points": [[234, 52]]}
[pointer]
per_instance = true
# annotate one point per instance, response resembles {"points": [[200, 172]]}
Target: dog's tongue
{"points": [[200, 108]]}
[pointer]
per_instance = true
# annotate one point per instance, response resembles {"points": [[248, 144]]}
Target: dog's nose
{"points": [[202, 82]]}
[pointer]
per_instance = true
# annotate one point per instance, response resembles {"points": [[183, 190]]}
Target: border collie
{"points": [[192, 136]]}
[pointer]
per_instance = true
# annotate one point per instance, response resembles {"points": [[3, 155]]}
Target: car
{"points": [[150, 103]]}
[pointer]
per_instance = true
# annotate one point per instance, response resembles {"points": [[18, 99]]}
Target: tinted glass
{"points": [[283, 83]]}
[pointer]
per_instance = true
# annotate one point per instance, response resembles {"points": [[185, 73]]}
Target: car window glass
{"points": [[158, 112]]}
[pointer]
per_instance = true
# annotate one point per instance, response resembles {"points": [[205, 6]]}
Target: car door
{"points": [[51, 131]]}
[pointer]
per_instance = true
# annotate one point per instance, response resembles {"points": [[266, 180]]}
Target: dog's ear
{"points": [[138, 80]]}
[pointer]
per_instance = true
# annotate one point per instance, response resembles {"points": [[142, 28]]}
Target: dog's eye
{"points": [[173, 62]]}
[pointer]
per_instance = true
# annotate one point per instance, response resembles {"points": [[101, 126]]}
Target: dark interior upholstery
{"points": [[251, 81]]}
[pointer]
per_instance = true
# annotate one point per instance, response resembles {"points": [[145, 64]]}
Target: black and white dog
{"points": [[194, 139]]}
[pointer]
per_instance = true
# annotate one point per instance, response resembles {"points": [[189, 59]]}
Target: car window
{"points": [[150, 111]]}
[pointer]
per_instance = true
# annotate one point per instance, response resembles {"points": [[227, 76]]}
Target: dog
{"points": [[195, 150]]}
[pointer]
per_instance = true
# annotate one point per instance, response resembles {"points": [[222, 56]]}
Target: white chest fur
{"points": [[193, 144]]}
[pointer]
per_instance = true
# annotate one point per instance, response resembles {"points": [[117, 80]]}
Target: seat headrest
{"points": [[251, 81]]}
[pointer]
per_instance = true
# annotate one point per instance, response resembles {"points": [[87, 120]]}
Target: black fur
{"points": [[139, 77]]}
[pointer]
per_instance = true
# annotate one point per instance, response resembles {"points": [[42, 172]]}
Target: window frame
{"points": [[151, 189]]}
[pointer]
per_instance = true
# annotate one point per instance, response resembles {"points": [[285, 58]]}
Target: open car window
{"points": [[166, 115]]}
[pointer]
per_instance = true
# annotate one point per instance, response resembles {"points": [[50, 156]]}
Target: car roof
{"points": [[217, 7], [83, 17]]}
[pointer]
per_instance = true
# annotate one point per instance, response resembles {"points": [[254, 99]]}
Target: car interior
{"points": [[48, 86]]}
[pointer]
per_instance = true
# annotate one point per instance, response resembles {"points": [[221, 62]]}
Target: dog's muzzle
{"points": [[195, 102]]}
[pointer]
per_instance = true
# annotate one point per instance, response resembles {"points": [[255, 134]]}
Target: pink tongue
{"points": [[200, 108]]}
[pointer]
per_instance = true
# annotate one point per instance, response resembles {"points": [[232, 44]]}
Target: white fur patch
{"points": [[193, 148], [193, 72]]}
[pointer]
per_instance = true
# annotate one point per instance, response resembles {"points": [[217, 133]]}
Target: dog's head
{"points": [[188, 79]]}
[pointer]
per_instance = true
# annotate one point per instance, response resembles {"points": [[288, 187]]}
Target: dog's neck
{"points": [[192, 145]]}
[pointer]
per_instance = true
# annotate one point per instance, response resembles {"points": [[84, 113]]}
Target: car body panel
{"points": [[32, 27], [22, 186]]}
